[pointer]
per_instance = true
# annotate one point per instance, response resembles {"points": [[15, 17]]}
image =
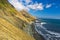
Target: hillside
{"points": [[13, 23]]}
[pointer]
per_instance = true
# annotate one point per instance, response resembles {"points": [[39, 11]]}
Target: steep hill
{"points": [[13, 23]]}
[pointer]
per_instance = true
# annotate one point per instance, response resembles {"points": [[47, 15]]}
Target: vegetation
{"points": [[13, 23]]}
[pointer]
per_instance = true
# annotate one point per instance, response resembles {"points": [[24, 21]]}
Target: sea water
{"points": [[48, 28]]}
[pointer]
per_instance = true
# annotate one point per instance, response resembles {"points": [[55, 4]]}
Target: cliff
{"points": [[13, 23]]}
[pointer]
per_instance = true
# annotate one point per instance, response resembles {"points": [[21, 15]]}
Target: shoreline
{"points": [[35, 34]]}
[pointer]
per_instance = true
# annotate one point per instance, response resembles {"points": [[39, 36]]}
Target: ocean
{"points": [[48, 28]]}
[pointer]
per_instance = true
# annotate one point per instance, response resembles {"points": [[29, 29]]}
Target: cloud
{"points": [[48, 5], [36, 6], [18, 5], [40, 6], [28, 1]]}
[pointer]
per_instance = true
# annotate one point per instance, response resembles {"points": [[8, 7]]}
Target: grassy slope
{"points": [[12, 21]]}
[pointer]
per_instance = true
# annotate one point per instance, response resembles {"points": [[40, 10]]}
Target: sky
{"points": [[39, 8]]}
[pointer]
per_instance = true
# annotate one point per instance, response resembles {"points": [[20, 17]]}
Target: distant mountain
{"points": [[13, 23]]}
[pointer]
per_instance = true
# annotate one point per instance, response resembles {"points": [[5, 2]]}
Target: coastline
{"points": [[35, 34], [31, 31]]}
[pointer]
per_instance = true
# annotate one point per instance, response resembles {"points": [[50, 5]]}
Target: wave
{"points": [[43, 23], [51, 32], [48, 32], [54, 33]]}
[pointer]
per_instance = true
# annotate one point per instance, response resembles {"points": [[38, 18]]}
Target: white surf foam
{"points": [[51, 32], [54, 34], [43, 23]]}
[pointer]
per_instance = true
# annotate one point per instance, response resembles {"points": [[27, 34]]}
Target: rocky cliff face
{"points": [[13, 23]]}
